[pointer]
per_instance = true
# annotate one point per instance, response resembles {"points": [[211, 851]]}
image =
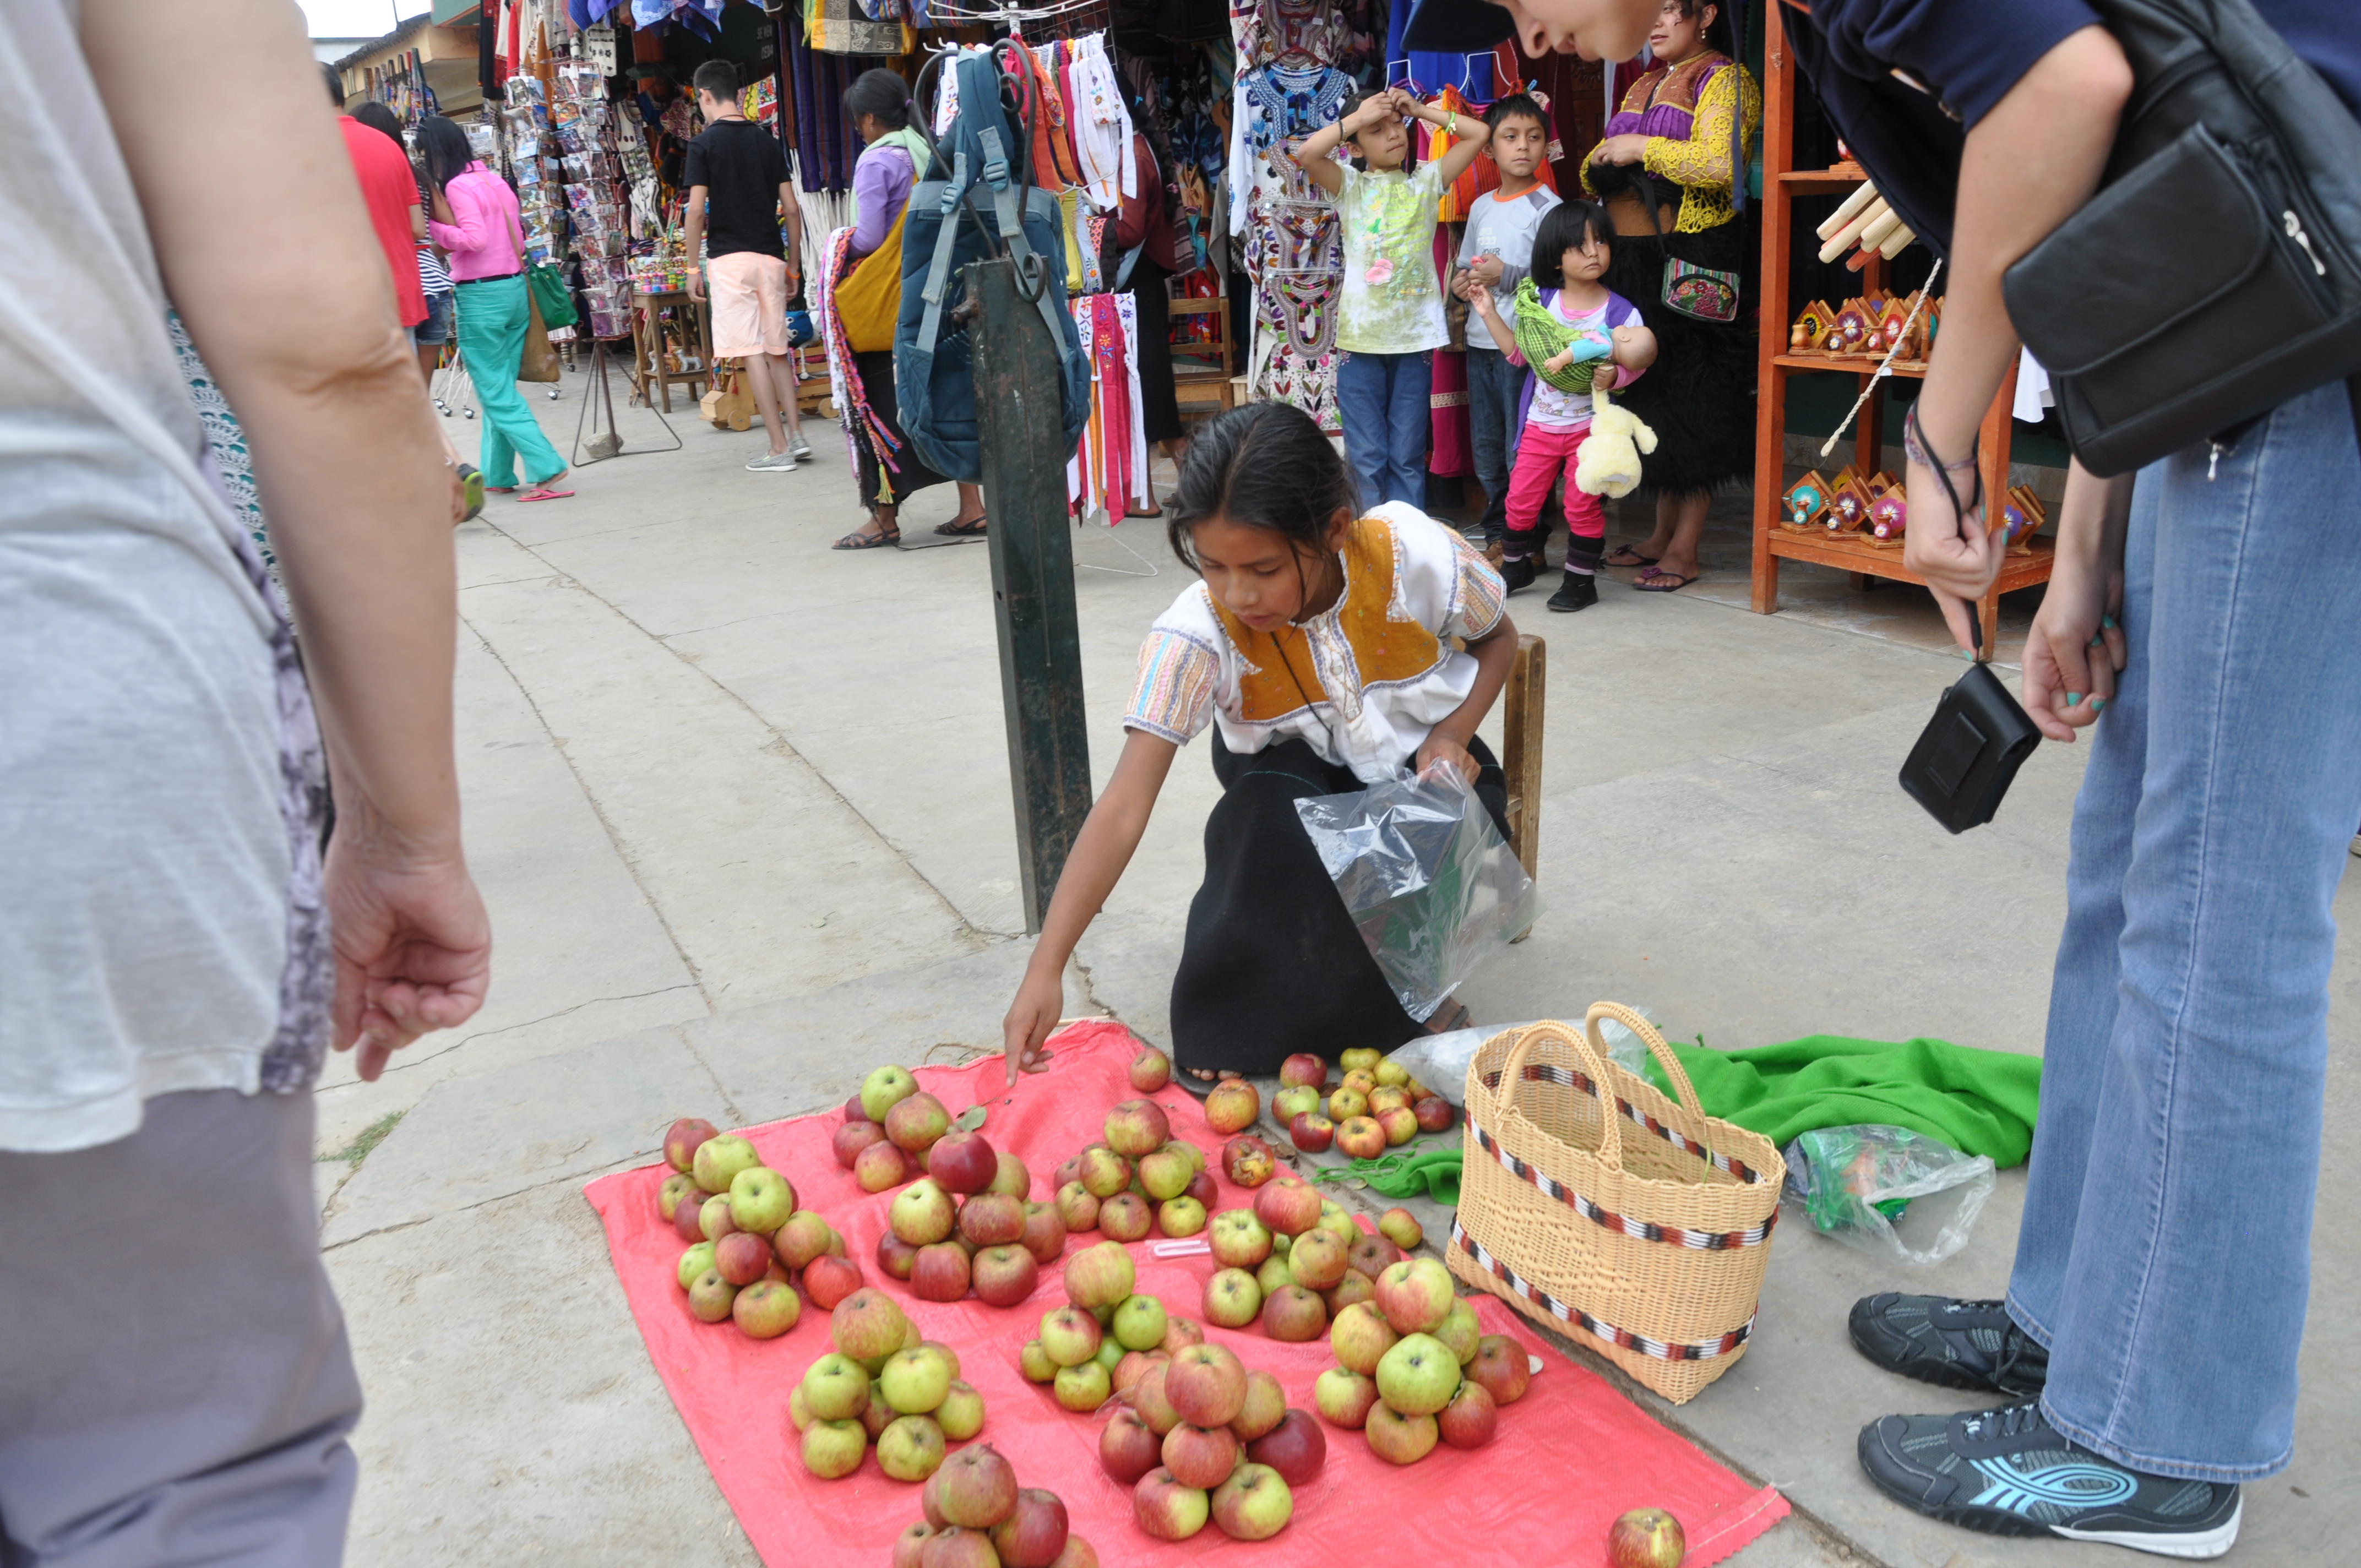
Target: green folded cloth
{"points": [[1978, 1102], [1543, 335], [1403, 1173]]}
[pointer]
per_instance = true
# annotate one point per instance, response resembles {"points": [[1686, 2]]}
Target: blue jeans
{"points": [[1495, 388], [493, 319], [2164, 1256], [1381, 400]]}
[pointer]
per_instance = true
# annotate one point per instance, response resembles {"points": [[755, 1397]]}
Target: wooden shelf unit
{"points": [[1782, 184]]}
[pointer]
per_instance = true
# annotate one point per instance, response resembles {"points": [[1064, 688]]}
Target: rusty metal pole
{"points": [[1022, 435]]}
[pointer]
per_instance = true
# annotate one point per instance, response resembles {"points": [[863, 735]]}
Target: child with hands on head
{"points": [[1563, 302], [1389, 310], [1318, 647]]}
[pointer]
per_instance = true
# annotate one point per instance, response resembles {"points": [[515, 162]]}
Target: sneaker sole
{"points": [[2214, 1542]]}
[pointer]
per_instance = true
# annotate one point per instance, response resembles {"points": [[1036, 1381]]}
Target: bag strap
{"points": [[1513, 1075], [1683, 1090]]}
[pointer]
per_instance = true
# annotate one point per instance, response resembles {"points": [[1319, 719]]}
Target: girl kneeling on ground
{"points": [[1317, 646]]}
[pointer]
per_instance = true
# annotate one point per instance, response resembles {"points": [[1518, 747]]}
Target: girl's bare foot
{"points": [[1206, 1075]]}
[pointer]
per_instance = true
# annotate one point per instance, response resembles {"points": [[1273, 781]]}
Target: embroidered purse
{"points": [[1700, 293]]}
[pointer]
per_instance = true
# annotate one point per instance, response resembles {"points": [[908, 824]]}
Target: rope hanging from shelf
{"points": [[1885, 366]]}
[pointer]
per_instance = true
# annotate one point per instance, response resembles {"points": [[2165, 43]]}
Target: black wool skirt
{"points": [[910, 474], [1272, 964], [1698, 397]]}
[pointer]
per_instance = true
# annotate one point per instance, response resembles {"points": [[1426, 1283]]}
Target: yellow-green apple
{"points": [[713, 1217], [1126, 1217], [1103, 1173], [850, 1139], [1354, 1286], [992, 1218], [804, 1237], [922, 1213], [1079, 1553], [881, 1166], [1009, 1176], [1168, 1510], [1070, 1335], [1044, 1236], [960, 1415], [834, 1448], [941, 1272], [1203, 1188], [867, 1325], [910, 1546], [1400, 1227], [1398, 1439], [1198, 1456], [1110, 1355], [1247, 1161], [1232, 1299], [835, 1388], [1345, 1398], [1179, 1333], [1182, 1216], [916, 1121], [1196, 1156], [1371, 1254], [742, 1257], [1433, 1112], [682, 1139], [1471, 1418], [1303, 1070], [1138, 1127], [1165, 1173], [721, 1157], [799, 1414], [910, 1448], [1337, 1221], [1415, 1295], [1033, 1535], [1288, 1103], [1099, 1276], [962, 1162], [1361, 1081], [1460, 1333], [1253, 1503], [1418, 1376], [676, 1186], [1004, 1276], [1296, 1448], [1399, 1125], [1390, 1073], [1273, 1275], [1206, 1384], [1239, 1239], [686, 1223], [1152, 1069], [1501, 1366], [829, 1281], [710, 1296], [1645, 1538], [912, 1338], [1310, 1131], [896, 1256], [1139, 1322], [1383, 1099], [1034, 1362], [1127, 1448], [1084, 1389], [915, 1382], [1359, 1137], [975, 1490], [1360, 1336], [1233, 1106], [1287, 1209], [1360, 1058], [877, 1415], [693, 1262], [1317, 1260], [884, 1089], [1266, 1404]]}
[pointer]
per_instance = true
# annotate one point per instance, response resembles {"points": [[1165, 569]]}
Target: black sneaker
{"points": [[1941, 1339], [1578, 591], [1517, 572], [2009, 1471]]}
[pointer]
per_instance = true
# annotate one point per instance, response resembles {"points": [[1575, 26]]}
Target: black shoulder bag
{"points": [[2214, 275]]}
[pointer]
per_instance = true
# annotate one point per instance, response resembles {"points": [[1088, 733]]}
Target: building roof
{"points": [[408, 29]]}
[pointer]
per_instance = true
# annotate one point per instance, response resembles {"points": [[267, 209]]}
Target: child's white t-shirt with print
{"points": [[1393, 299]]}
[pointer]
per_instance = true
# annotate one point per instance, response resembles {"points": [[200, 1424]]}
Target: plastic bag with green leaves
{"points": [[1867, 1186]]}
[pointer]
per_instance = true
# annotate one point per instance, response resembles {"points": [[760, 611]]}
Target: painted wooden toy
{"points": [[1806, 501], [1848, 498], [1855, 320], [1896, 332], [1888, 514], [2020, 519], [1811, 329]]}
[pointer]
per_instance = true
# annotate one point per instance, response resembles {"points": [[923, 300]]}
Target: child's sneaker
{"points": [[1517, 572], [1578, 591]]}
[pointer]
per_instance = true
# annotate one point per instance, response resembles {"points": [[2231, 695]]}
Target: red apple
{"points": [[1372, 1256], [1147, 1399], [852, 1138], [1034, 1535], [1316, 1260], [1645, 1538], [1293, 1314], [1077, 1207], [687, 1220], [1266, 1406], [914, 1123], [682, 1139], [1415, 1295], [1433, 1112], [941, 1272], [1129, 1370], [804, 1237], [1360, 1137], [894, 1255], [1079, 1553], [1152, 1069], [1100, 1276], [1305, 1069], [1207, 1386], [962, 1162], [855, 1111], [1068, 1170], [1399, 1125], [1387, 1098], [1400, 1227], [1233, 1106], [992, 1218], [1104, 1173], [1296, 1448], [1127, 1448], [1004, 1276], [1397, 1439], [959, 1548], [1126, 1217], [1354, 1288], [1312, 1132], [1012, 1177], [1247, 1161], [1168, 1510], [1201, 1457], [1202, 1188], [880, 1166], [909, 1547], [1287, 1209], [1501, 1368], [1179, 1333], [1469, 1420], [742, 1256], [1345, 1398], [829, 1281], [1045, 1233], [975, 1488], [867, 1325], [1138, 1127]]}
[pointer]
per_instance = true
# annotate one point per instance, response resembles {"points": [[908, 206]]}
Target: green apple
{"points": [[910, 1448], [1070, 1335], [1418, 1376], [1254, 1503], [1461, 1331], [1337, 1223], [1111, 1354], [883, 1089], [1035, 1364], [835, 1388], [799, 1414], [1181, 1216], [1139, 1322], [719, 1161], [1274, 1275], [1165, 1173], [1239, 1239], [693, 1262], [675, 1187], [960, 1415], [761, 1201], [766, 1308], [710, 1296], [713, 1217], [1083, 1388], [915, 1382], [833, 1449]]}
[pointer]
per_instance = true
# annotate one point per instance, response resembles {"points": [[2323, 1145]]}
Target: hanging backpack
{"points": [[983, 209]]}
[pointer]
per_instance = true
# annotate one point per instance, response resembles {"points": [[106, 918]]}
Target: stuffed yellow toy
{"points": [[1608, 462]]}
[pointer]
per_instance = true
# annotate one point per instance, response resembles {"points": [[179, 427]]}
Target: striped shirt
{"points": [[430, 275]]}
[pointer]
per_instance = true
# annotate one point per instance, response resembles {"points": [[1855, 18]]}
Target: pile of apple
{"points": [[1414, 1368], [1100, 1341], [890, 1131], [1296, 1259], [1139, 1178], [1204, 1439], [883, 1383], [749, 1243], [977, 1517], [1379, 1106]]}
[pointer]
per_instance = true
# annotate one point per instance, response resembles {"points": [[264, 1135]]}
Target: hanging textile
{"points": [[1109, 469], [1293, 248], [1478, 177], [841, 27]]}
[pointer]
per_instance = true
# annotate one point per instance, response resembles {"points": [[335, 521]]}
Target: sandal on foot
{"points": [[1654, 581], [1637, 559], [543, 493], [972, 529], [885, 538], [1201, 1087]]}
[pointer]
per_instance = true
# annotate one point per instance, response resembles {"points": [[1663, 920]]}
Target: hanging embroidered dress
{"points": [[1295, 251]]}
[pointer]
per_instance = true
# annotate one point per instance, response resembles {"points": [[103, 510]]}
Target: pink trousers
{"points": [[1544, 451]]}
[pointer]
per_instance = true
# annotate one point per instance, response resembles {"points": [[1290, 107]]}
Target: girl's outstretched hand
{"points": [[1040, 1002]]}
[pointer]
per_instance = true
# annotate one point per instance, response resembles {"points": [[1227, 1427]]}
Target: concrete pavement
{"points": [[739, 806]]}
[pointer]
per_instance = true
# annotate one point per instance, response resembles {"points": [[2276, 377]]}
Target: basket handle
{"points": [[1610, 1137], [1683, 1090]]}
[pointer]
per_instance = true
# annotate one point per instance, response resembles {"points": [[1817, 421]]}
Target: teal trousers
{"points": [[493, 316]]}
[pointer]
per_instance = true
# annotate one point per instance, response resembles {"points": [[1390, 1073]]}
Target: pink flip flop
{"points": [[543, 493]]}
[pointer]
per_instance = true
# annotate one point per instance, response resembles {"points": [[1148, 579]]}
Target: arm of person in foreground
{"points": [[1447, 741], [2028, 164], [1102, 850], [692, 240], [2077, 645], [301, 336]]}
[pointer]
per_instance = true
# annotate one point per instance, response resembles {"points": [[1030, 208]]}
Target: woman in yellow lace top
{"points": [[1668, 170]]}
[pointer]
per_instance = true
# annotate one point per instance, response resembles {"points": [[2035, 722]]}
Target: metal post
{"points": [[1022, 434]]}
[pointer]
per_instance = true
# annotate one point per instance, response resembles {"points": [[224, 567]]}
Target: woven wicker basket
{"points": [[1643, 1235]]}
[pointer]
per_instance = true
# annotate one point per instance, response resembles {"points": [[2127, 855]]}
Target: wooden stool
{"points": [[647, 345], [1201, 369]]}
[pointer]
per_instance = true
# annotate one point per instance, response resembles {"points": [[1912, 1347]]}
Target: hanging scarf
{"points": [[862, 425]]}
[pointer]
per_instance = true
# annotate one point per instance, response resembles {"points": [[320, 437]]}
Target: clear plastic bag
{"points": [[1441, 1060], [1426, 876], [1866, 1186]]}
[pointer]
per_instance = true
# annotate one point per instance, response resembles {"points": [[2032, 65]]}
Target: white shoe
{"points": [[773, 463], [798, 447]]}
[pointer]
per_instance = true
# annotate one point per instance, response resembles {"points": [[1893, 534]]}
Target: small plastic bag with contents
{"points": [[1881, 1190]]}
